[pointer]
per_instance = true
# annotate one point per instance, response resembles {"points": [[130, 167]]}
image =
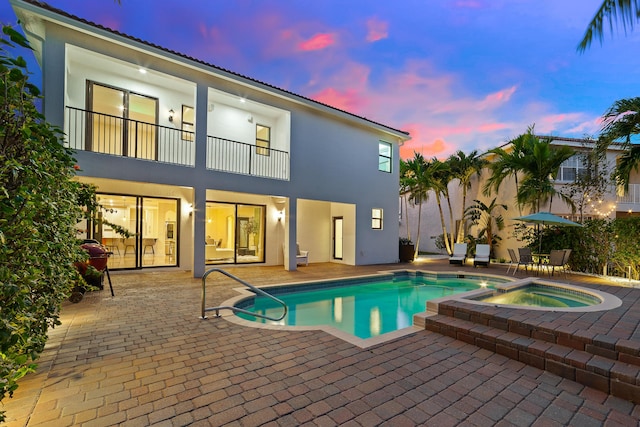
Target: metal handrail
{"points": [[237, 309]]}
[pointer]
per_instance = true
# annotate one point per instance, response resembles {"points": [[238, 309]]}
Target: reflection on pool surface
{"points": [[535, 295], [363, 309]]}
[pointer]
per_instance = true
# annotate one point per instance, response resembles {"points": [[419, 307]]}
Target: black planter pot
{"points": [[407, 253]]}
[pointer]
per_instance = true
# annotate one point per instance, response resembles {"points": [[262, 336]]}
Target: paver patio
{"points": [[144, 357]]}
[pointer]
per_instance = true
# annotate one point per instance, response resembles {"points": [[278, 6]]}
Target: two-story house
{"points": [[208, 166]]}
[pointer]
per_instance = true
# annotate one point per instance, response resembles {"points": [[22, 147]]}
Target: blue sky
{"points": [[456, 74]]}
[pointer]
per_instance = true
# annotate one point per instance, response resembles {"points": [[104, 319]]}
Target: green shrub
{"points": [[38, 213]]}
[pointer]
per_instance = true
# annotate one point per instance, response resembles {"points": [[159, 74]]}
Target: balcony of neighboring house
{"points": [[631, 199]]}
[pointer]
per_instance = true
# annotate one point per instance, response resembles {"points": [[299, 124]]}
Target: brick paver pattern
{"points": [[144, 357]]}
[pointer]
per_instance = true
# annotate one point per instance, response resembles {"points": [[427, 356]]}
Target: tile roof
{"points": [[61, 12]]}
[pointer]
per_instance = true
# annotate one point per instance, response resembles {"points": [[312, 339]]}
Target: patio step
{"points": [[597, 371]]}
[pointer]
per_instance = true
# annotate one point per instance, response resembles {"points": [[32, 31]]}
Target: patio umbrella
{"points": [[546, 218]]}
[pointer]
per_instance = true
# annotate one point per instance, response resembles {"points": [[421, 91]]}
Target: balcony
{"points": [[118, 136], [246, 159], [632, 196]]}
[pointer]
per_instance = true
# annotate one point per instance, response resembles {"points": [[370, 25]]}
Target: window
{"points": [[574, 167], [187, 123], [384, 156], [122, 123], [376, 218], [263, 140]]}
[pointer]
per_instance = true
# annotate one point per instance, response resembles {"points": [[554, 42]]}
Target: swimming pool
{"points": [[364, 307]]}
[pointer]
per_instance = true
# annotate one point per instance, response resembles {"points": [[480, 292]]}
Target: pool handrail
{"points": [[237, 309]]}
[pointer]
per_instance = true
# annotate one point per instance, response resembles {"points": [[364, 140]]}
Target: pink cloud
{"points": [[377, 30], [496, 99], [422, 141], [318, 42], [348, 100]]}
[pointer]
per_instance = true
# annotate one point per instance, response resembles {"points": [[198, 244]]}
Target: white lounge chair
{"points": [[459, 254], [482, 255]]}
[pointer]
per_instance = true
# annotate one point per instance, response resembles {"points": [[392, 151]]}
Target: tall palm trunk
{"points": [[417, 247], [460, 237], [445, 234]]}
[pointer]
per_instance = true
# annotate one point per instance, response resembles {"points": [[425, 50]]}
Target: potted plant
{"points": [[406, 250]]}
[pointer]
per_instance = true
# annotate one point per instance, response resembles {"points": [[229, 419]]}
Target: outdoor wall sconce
{"points": [[280, 216], [171, 114], [190, 209]]}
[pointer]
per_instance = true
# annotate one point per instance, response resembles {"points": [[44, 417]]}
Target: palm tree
{"points": [[417, 182], [441, 176], [484, 216], [621, 123], [463, 168], [624, 11], [509, 162], [539, 170], [537, 162], [405, 190]]}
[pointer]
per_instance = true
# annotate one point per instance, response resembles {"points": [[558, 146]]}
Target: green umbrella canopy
{"points": [[546, 218]]}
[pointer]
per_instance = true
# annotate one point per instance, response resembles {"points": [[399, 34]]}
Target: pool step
{"points": [[615, 377]]}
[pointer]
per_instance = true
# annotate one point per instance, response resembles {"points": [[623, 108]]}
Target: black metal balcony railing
{"points": [[104, 133], [246, 159]]}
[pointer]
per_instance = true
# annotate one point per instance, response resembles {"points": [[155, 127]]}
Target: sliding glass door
{"points": [[234, 233], [153, 221], [121, 122]]}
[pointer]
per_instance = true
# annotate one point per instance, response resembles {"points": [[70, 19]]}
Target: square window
{"points": [[376, 219]]}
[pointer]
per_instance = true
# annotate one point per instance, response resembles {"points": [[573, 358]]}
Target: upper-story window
{"points": [[574, 167], [384, 156], [188, 119], [263, 140]]}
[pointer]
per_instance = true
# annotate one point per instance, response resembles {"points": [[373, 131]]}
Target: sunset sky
{"points": [[457, 75]]}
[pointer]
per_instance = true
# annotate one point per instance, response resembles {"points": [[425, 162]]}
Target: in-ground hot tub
{"points": [[535, 294]]}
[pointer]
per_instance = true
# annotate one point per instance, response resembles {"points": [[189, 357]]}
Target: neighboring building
{"points": [[208, 166], [609, 204]]}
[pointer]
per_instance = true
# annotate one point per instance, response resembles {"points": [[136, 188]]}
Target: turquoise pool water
{"points": [[361, 309]]}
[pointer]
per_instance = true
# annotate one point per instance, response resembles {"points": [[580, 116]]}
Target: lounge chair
{"points": [[459, 254], [482, 255]]}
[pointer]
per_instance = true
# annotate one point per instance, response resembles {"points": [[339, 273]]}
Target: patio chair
{"points": [[514, 261], [567, 254], [301, 256], [482, 255], [556, 259], [459, 254], [525, 258]]}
